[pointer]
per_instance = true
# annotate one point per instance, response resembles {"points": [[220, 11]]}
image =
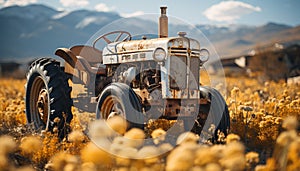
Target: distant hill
{"points": [[37, 30], [240, 40]]}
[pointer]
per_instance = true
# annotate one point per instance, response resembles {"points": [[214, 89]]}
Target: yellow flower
{"points": [[124, 156], [150, 154], [166, 147], [232, 138], [7, 145], [3, 162], [234, 91], [261, 168], [30, 145], [76, 136], [294, 151], [95, 154], [262, 124], [286, 137], [180, 159], [290, 123], [64, 161], [187, 137], [213, 167], [236, 162], [118, 124], [158, 135], [234, 148], [88, 166], [295, 103], [56, 120], [135, 137], [204, 156], [252, 157], [278, 120], [267, 84], [99, 129]]}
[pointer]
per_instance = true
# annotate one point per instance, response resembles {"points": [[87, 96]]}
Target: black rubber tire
{"points": [[217, 111], [46, 75], [125, 96], [219, 106]]}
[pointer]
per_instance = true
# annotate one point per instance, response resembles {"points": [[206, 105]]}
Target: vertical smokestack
{"points": [[163, 23]]}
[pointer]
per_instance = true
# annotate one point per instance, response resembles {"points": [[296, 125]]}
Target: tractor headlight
{"points": [[159, 54], [204, 55]]}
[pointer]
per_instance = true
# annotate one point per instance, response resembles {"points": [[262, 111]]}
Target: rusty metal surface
{"points": [[181, 108], [142, 50], [194, 74], [163, 23], [42, 105]]}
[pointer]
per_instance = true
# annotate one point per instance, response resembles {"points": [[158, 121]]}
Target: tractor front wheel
{"points": [[120, 99], [213, 118]]}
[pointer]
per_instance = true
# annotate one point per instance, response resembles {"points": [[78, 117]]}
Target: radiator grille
{"points": [[178, 70], [194, 73]]}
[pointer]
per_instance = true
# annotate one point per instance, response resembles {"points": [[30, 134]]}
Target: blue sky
{"points": [[250, 12]]}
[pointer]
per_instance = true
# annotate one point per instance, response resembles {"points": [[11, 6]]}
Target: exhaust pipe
{"points": [[163, 23]]}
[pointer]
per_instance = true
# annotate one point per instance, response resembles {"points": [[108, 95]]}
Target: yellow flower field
{"points": [[264, 135]]}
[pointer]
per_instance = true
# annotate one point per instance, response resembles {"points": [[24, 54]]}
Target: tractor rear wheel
{"points": [[120, 99], [48, 101]]}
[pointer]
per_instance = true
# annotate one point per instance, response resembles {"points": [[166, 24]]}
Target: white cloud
{"points": [[229, 11], [134, 14], [74, 3], [16, 2], [104, 8]]}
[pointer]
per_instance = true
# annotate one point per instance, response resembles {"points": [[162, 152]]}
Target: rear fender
{"points": [[73, 65], [67, 55]]}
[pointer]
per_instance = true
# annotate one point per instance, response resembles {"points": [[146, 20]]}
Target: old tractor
{"points": [[139, 79]]}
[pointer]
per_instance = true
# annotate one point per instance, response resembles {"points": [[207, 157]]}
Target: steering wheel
{"points": [[118, 36]]}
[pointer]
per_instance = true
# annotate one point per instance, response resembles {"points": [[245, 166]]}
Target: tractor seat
{"points": [[90, 57], [90, 54]]}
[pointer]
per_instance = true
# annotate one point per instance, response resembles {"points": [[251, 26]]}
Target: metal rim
{"points": [[39, 107], [112, 106]]}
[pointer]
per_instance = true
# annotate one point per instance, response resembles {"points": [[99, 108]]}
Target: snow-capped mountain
{"points": [[37, 30], [33, 12]]}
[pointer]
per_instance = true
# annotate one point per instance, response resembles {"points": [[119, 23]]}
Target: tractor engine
{"points": [[163, 72]]}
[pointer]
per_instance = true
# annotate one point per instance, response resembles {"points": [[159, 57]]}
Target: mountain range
{"points": [[37, 30]]}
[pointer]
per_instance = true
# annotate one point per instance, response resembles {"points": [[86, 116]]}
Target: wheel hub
{"points": [[112, 114], [112, 107], [42, 105]]}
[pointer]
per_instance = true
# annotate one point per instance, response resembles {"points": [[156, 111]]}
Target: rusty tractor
{"points": [[138, 79]]}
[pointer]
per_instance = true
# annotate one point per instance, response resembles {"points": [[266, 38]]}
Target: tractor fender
{"points": [[74, 65], [67, 55], [77, 62]]}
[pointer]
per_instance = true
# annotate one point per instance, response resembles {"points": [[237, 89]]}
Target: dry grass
{"points": [[260, 137]]}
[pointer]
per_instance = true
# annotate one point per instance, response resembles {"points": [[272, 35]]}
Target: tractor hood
{"points": [[142, 50]]}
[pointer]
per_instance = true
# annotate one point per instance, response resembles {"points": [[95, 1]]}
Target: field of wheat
{"points": [[264, 135]]}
